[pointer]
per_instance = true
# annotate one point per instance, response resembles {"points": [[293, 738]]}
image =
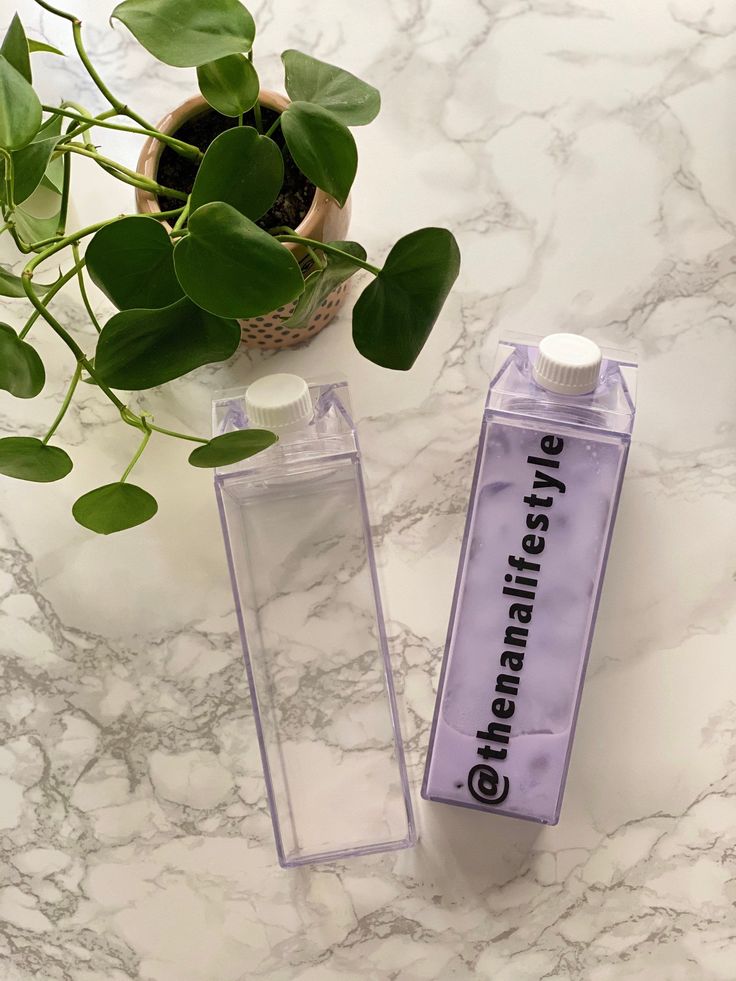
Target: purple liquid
{"points": [[525, 683]]}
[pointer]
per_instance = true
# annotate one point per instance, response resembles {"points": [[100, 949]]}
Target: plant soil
{"points": [[295, 196]]}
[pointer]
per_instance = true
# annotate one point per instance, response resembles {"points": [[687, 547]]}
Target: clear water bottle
{"points": [[298, 542], [553, 447]]}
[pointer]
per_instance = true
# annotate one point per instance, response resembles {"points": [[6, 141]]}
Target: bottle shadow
{"points": [[469, 850]]}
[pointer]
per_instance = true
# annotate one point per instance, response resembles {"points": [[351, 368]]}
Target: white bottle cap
{"points": [[278, 400], [567, 364]]}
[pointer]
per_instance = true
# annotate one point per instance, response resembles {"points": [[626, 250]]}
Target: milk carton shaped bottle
{"points": [[553, 447], [300, 552]]}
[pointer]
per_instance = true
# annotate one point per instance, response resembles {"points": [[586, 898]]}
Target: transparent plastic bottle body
{"points": [[543, 503], [298, 541]]}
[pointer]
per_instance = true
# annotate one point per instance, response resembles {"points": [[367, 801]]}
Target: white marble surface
{"points": [[583, 152]]}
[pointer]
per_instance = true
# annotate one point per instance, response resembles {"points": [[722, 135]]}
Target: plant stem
{"points": [[118, 106], [179, 224], [187, 149], [61, 282], [83, 289], [114, 102], [82, 128], [171, 432], [319, 263], [139, 451], [65, 404], [133, 177], [257, 107], [68, 340], [331, 250], [278, 230], [72, 129], [55, 10], [66, 164], [240, 119], [274, 125], [8, 176]]}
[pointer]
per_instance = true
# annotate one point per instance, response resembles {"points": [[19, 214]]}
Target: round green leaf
{"points": [[232, 447], [231, 267], [41, 46], [229, 84], [142, 348], [319, 284], [15, 48], [188, 33], [241, 168], [21, 369], [114, 507], [20, 110], [132, 262], [27, 458], [396, 312], [323, 149], [353, 101]]}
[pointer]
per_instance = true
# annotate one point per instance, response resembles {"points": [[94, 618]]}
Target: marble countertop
{"points": [[583, 152]]}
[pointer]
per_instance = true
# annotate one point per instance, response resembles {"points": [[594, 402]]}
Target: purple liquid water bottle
{"points": [[553, 447]]}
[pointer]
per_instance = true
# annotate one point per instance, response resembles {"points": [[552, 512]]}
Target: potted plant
{"points": [[240, 229]]}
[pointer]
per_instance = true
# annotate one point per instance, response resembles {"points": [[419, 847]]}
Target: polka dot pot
{"points": [[271, 331]]}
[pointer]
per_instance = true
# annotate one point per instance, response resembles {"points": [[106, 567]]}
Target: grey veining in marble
{"points": [[583, 151]]}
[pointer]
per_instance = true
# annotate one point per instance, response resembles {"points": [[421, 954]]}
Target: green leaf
{"points": [[15, 48], [142, 348], [188, 33], [41, 46], [319, 284], [114, 507], [241, 168], [27, 458], [229, 84], [396, 312], [323, 149], [231, 267], [53, 179], [232, 447], [21, 370], [30, 164], [354, 102], [20, 110], [32, 228], [132, 262], [11, 285], [50, 127]]}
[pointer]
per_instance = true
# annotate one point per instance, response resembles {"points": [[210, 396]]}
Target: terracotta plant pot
{"points": [[325, 221]]}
